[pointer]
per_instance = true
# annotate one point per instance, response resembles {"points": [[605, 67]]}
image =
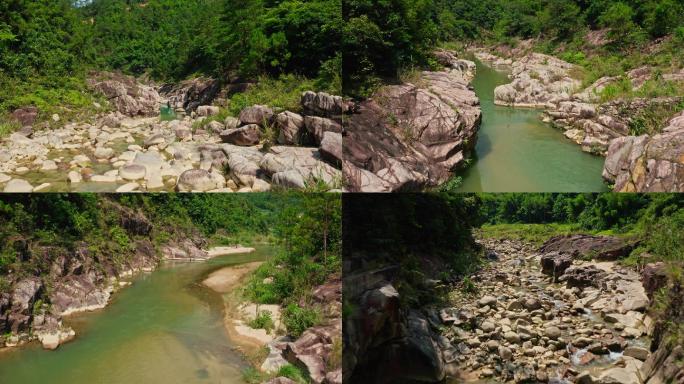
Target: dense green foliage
{"points": [[427, 236], [382, 37], [47, 47], [60, 220], [309, 235], [656, 219]]}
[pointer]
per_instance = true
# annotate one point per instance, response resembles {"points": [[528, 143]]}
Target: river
{"points": [[164, 328], [517, 152]]}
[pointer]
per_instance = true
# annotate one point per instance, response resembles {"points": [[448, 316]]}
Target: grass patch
{"points": [[293, 373], [284, 92], [298, 319], [452, 185], [653, 119], [413, 76], [8, 127], [69, 97], [536, 234], [263, 321]]}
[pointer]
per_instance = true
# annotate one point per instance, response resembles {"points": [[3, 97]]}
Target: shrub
{"points": [[297, 319], [263, 321], [293, 373]]}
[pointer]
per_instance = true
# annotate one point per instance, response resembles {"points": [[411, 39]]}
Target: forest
{"points": [[381, 39], [48, 47], [307, 234]]}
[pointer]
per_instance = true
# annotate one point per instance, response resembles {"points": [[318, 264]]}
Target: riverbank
{"points": [[228, 282], [164, 327], [202, 148], [269, 346], [637, 131], [522, 318], [517, 152]]}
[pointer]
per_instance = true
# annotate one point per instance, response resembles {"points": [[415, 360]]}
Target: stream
{"points": [[517, 152], [164, 328]]}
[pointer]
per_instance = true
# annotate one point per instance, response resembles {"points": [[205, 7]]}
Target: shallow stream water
{"points": [[517, 152], [164, 328]]}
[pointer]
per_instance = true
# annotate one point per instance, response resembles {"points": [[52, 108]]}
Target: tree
{"points": [[619, 18]]}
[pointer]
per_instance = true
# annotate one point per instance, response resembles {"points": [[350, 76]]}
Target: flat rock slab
{"points": [[589, 246]]}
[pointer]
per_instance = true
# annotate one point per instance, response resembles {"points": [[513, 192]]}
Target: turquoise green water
{"points": [[517, 152], [165, 328]]}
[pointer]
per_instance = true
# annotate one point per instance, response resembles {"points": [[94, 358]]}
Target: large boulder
{"points": [[198, 180], [323, 104], [245, 136], [589, 246], [260, 115], [208, 110], [298, 166], [654, 277], [25, 116], [411, 137], [317, 126], [331, 148], [554, 264], [128, 96], [648, 163], [289, 126], [190, 94], [18, 186]]}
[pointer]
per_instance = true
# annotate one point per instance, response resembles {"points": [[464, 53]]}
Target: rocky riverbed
{"points": [[567, 312], [130, 149], [644, 163], [548, 317]]}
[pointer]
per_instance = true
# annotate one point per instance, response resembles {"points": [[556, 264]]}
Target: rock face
{"points": [[589, 246], [537, 80], [594, 126], [71, 280], [648, 164], [190, 94], [555, 264], [411, 136], [126, 94], [384, 344], [324, 105], [654, 277]]}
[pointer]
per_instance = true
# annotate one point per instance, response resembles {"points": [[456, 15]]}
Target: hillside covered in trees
{"points": [[46, 48], [380, 41]]}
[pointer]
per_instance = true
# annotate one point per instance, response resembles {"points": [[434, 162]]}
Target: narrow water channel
{"points": [[517, 152], [164, 328]]}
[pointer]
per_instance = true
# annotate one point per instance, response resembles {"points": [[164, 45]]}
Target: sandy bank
{"points": [[222, 251], [226, 279]]}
